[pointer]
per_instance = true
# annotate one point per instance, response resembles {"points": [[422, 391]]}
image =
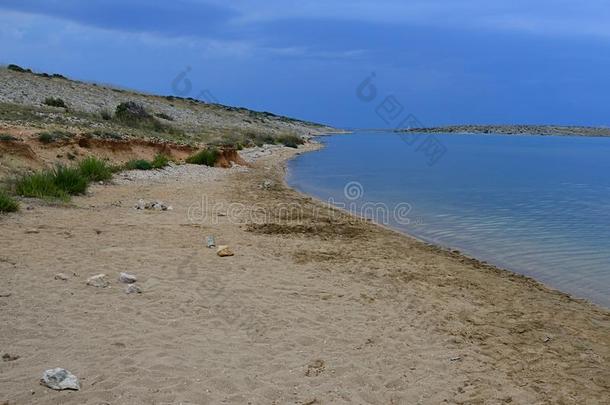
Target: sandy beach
{"points": [[315, 307]]}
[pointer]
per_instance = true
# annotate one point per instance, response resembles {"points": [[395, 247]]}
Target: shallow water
{"points": [[539, 206]]}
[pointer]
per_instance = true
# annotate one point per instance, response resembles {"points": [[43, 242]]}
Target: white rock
{"points": [[133, 289], [61, 276], [98, 281], [127, 278], [60, 379]]}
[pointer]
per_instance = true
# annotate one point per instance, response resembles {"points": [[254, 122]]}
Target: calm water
{"points": [[539, 206]]}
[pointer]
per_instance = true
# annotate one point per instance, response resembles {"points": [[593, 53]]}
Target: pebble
{"points": [[60, 379], [127, 278], [133, 289], [61, 276], [224, 251], [98, 281]]}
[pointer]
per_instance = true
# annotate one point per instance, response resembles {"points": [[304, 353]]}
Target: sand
{"points": [[315, 307]]}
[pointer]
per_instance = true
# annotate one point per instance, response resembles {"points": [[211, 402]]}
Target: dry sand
{"points": [[316, 308]]}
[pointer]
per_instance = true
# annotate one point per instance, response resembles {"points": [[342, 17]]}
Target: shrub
{"points": [[134, 115], [7, 138], [7, 203], [106, 115], [94, 169], [55, 102], [290, 140], [139, 164], [164, 116], [17, 68], [70, 180], [131, 112], [206, 157], [39, 185], [53, 136], [160, 161], [260, 139], [106, 135]]}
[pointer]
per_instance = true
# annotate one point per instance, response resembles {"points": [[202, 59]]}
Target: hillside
{"points": [[22, 95], [47, 119]]}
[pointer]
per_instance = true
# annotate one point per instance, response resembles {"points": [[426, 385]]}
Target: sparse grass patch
{"points": [[290, 140], [7, 138], [55, 102], [160, 161], [53, 136], [7, 203], [258, 139], [94, 169], [206, 157], [106, 115], [164, 116], [106, 135], [139, 164]]}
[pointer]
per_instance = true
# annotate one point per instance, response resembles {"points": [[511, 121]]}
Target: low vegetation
{"points": [[7, 203], [62, 181], [55, 102], [139, 164], [106, 115], [70, 180], [94, 169], [164, 116], [106, 135], [39, 185], [17, 68], [159, 162], [54, 136], [290, 140], [206, 157], [7, 138]]}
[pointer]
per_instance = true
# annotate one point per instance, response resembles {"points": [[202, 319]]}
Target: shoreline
{"points": [[316, 309], [451, 250]]}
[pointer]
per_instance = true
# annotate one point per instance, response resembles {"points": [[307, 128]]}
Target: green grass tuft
{"points": [[206, 157], [139, 164], [160, 161], [70, 180], [60, 182], [94, 169], [7, 203], [39, 185]]}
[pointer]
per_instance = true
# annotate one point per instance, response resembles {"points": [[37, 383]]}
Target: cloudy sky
{"points": [[444, 61]]}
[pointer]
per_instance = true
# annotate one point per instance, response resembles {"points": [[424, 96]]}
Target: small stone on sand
{"points": [[98, 281], [127, 278], [60, 379], [133, 289], [224, 251]]}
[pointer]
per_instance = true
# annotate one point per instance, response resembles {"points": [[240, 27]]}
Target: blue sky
{"points": [[445, 62]]}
